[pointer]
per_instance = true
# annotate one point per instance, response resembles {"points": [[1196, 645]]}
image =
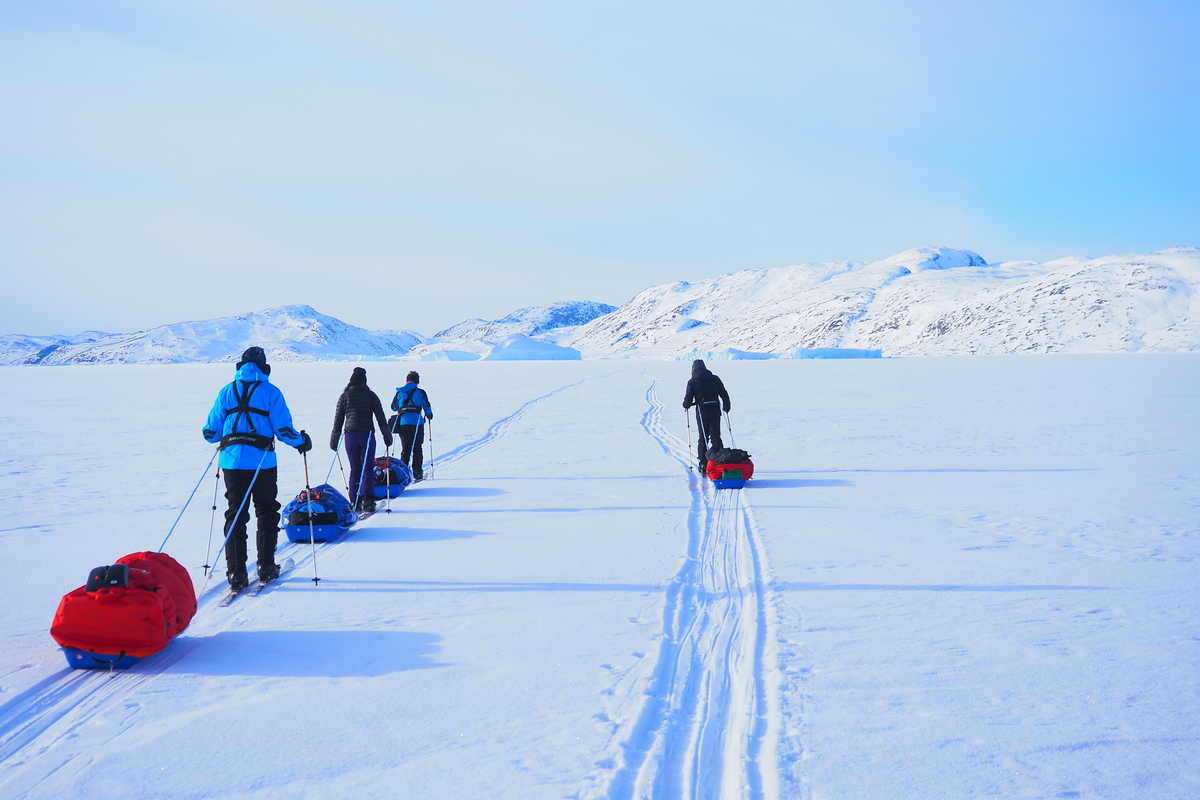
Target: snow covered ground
{"points": [[951, 578]]}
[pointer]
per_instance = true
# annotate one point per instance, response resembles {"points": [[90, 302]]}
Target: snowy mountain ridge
{"points": [[529, 321], [925, 301], [287, 333]]}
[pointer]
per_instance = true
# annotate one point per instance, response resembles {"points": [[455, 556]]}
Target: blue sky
{"points": [[411, 165]]}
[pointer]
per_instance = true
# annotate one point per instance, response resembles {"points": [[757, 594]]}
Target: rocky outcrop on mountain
{"points": [[927, 301]]}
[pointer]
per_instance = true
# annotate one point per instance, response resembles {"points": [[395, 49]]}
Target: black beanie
{"points": [[359, 375], [413, 377], [255, 355]]}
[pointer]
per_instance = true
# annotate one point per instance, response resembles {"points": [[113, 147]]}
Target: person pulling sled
{"points": [[358, 411], [412, 408], [706, 392], [247, 417]]}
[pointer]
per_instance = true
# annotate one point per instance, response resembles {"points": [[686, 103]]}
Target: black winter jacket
{"points": [[705, 388], [357, 405]]}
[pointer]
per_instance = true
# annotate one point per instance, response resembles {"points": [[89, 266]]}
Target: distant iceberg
{"points": [[524, 348], [834, 352], [449, 355], [732, 354]]}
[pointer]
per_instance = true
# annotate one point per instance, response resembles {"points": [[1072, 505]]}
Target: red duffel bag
{"points": [[717, 471], [132, 608]]}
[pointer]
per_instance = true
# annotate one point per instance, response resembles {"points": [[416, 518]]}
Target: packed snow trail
{"points": [[991, 594], [50, 711], [710, 724], [496, 429]]}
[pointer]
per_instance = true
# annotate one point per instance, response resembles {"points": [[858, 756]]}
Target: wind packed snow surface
{"points": [[949, 578]]}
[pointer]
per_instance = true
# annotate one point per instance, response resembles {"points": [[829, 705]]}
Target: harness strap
{"points": [[407, 407], [243, 409], [253, 439]]}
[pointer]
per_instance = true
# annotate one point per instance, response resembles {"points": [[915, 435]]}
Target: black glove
{"points": [[686, 406], [306, 445], [333, 443], [429, 417], [387, 439], [727, 408]]}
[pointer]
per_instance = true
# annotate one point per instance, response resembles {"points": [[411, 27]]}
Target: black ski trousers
{"points": [[411, 439], [266, 510], [708, 419]]}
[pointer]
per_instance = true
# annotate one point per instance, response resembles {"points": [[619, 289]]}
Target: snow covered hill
{"points": [[287, 333], [926, 301], [17, 348], [529, 321], [533, 333], [922, 302]]}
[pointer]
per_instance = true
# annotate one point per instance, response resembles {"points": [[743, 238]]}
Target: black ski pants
{"points": [[411, 439], [708, 419], [266, 509]]}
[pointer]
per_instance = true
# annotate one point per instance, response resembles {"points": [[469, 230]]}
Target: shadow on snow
{"points": [[928, 587], [795, 483], [398, 586], [454, 491], [309, 654], [401, 534], [927, 469]]}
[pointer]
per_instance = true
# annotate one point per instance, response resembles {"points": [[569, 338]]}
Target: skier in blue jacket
{"points": [[410, 402], [246, 418]]}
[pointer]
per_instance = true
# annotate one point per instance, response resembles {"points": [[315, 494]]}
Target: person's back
{"points": [[246, 418], [707, 393], [358, 411], [412, 408], [361, 409]]}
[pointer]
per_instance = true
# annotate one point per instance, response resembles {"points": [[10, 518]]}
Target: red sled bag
{"points": [[126, 611], [718, 471]]}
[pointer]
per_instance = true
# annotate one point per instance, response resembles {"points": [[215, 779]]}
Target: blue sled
{"points": [[84, 659], [395, 490], [320, 533]]}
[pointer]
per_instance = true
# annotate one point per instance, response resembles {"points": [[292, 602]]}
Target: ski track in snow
{"points": [[496, 429], [710, 723], [49, 712]]}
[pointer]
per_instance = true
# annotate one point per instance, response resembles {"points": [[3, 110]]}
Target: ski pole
{"points": [[212, 521], [240, 509], [312, 537], [729, 422], [188, 502], [432, 458], [362, 473], [329, 471], [342, 469], [387, 503]]}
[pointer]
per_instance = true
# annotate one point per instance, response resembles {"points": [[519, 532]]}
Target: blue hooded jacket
{"points": [[411, 395], [269, 417]]}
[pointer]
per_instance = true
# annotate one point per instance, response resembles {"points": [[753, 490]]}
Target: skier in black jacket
{"points": [[358, 409], [706, 392]]}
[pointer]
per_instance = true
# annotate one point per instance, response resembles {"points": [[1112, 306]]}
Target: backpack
{"points": [[727, 455]]}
